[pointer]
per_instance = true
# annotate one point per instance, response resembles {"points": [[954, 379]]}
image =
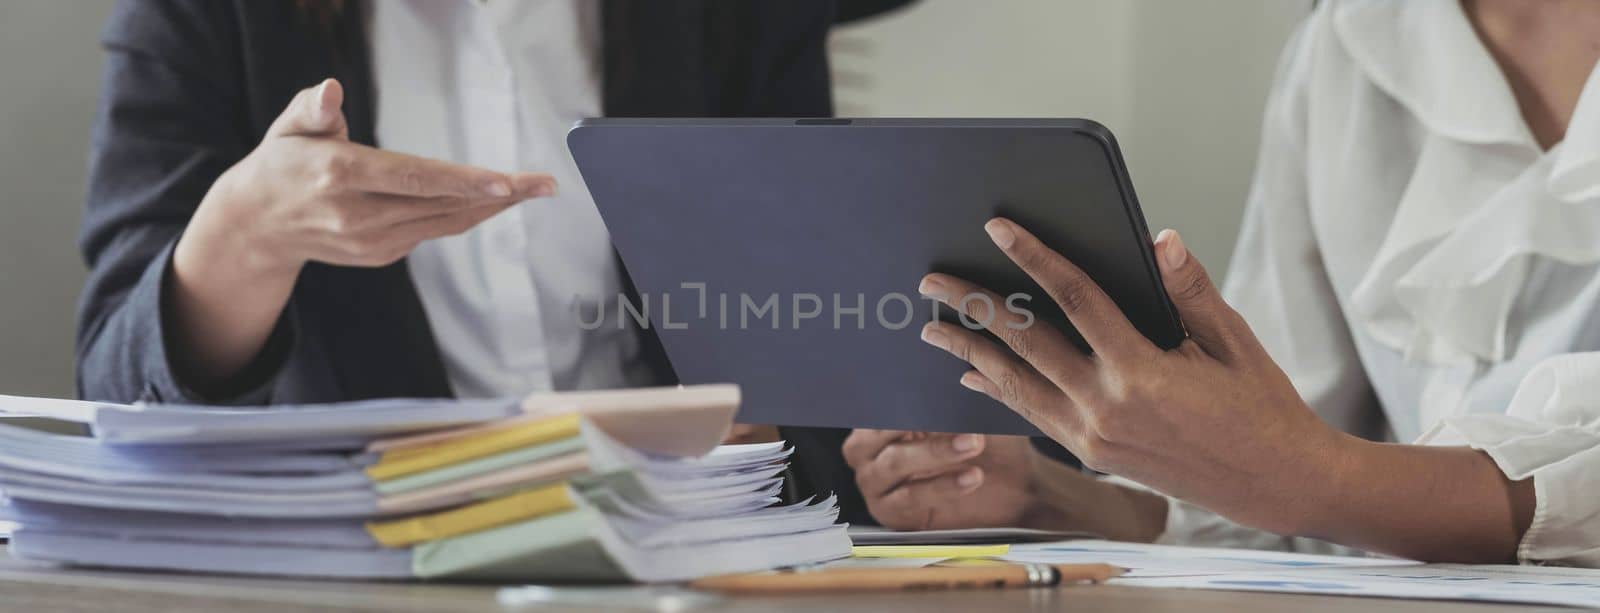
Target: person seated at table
{"points": [[249, 242], [1418, 262]]}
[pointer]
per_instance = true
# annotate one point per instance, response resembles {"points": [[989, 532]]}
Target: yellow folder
{"points": [[500, 511], [401, 462]]}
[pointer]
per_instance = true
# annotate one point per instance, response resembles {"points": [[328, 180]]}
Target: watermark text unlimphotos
{"points": [[775, 311]]}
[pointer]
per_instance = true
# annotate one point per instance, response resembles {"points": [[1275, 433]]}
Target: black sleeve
{"points": [[819, 469], [852, 10], [780, 65], [165, 129]]}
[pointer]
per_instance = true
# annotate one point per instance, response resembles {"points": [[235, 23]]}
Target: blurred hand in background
{"points": [[933, 481], [751, 433], [923, 481]]}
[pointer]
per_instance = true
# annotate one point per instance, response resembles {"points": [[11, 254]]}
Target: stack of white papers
{"points": [[874, 535], [623, 486], [275, 427]]}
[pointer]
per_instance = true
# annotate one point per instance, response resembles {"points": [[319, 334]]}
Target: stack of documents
{"points": [[592, 486]]}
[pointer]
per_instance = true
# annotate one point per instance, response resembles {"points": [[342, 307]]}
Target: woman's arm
{"points": [[1441, 504], [1278, 282], [1215, 421], [1547, 446]]}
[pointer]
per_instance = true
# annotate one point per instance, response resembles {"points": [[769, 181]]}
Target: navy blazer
{"points": [[189, 89]]}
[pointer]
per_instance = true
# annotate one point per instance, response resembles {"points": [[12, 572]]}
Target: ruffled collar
{"points": [[1426, 55], [1485, 202]]}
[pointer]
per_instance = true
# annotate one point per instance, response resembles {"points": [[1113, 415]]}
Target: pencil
{"points": [[927, 578]]}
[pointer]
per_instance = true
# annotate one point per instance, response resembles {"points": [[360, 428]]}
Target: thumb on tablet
{"points": [[1208, 318]]}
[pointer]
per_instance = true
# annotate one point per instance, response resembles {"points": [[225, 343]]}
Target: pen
{"points": [[999, 576]]}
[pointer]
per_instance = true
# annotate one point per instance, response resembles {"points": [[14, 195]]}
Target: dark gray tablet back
{"points": [[784, 255]]}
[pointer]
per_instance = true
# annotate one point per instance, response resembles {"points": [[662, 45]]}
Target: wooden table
{"points": [[37, 588]]}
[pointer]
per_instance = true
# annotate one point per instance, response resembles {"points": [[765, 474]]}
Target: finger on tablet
{"points": [[1039, 344], [1101, 323]]}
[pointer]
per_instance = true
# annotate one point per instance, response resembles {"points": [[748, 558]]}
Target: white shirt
{"points": [[497, 85], [1410, 256]]}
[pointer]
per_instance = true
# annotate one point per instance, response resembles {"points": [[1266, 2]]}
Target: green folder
{"points": [[560, 547]]}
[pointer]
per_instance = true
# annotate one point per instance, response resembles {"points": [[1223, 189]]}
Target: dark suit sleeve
{"points": [[818, 469], [165, 129], [855, 10], [788, 60]]}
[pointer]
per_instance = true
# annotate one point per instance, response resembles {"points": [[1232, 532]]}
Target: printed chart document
{"points": [[1208, 568], [1574, 587], [1169, 561]]}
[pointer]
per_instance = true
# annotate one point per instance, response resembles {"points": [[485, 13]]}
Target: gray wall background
{"points": [[1181, 83], [50, 70]]}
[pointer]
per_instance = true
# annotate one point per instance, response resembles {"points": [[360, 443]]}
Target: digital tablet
{"points": [[784, 254]]}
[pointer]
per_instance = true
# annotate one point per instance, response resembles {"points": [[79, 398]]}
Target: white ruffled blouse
{"points": [[1411, 257]]}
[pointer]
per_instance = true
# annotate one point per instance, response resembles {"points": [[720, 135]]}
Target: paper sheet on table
{"points": [[874, 535], [1169, 561], [929, 551], [81, 458], [186, 424], [1575, 587], [854, 562]]}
